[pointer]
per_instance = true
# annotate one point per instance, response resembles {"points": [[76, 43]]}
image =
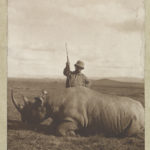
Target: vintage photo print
{"points": [[75, 77]]}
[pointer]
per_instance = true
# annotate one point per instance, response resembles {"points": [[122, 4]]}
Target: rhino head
{"points": [[31, 112]]}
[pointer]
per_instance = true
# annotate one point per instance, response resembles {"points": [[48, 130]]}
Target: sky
{"points": [[107, 35]]}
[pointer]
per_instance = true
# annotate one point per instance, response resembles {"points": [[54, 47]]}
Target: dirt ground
{"points": [[23, 137]]}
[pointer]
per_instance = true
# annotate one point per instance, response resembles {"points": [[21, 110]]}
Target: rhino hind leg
{"points": [[66, 129], [134, 128]]}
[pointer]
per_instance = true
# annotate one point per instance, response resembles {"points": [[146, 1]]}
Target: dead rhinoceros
{"points": [[79, 108]]}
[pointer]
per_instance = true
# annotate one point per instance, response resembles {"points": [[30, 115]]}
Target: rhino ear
{"points": [[39, 100], [25, 99]]}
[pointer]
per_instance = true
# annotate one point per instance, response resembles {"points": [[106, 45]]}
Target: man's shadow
{"points": [[44, 128], [41, 128]]}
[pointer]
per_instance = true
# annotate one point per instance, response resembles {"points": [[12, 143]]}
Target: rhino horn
{"points": [[14, 102], [25, 99]]}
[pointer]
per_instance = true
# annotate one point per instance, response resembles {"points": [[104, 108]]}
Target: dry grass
{"points": [[21, 136]]}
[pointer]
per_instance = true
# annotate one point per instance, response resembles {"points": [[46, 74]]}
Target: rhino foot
{"points": [[66, 129], [134, 128]]}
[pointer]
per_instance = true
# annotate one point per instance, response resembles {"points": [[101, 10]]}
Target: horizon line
{"points": [[125, 79]]}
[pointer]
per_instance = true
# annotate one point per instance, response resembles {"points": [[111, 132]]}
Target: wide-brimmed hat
{"points": [[44, 92], [80, 64]]}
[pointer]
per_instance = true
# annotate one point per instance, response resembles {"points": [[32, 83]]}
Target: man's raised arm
{"points": [[67, 69]]}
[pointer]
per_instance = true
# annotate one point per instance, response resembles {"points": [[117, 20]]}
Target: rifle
{"points": [[67, 65], [67, 54]]}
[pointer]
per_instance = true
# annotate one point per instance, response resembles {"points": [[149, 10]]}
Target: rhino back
{"points": [[113, 114], [89, 108], [109, 113]]}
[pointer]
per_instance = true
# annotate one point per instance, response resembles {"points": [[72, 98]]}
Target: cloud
{"points": [[128, 26], [104, 34]]}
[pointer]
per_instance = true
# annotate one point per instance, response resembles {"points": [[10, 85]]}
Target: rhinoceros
{"points": [[83, 109]]}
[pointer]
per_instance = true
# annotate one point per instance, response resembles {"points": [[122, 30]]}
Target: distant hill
{"points": [[114, 83], [126, 79]]}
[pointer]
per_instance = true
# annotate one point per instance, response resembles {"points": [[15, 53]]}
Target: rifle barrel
{"points": [[67, 52]]}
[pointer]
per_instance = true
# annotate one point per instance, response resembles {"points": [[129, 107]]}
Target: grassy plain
{"points": [[20, 136]]}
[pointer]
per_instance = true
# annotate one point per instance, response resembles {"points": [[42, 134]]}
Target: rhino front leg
{"points": [[67, 129]]}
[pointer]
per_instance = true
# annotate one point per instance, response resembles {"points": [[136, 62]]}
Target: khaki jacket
{"points": [[75, 79]]}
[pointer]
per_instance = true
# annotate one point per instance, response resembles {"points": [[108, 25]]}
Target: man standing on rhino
{"points": [[75, 78]]}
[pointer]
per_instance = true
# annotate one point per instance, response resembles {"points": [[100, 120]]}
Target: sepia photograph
{"points": [[76, 75]]}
